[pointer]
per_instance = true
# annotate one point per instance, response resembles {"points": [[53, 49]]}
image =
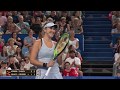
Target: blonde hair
{"points": [[10, 39]]}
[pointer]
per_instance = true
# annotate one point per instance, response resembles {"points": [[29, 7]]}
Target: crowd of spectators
{"points": [[114, 16], [14, 53]]}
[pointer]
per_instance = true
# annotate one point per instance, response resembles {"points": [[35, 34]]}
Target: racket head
{"points": [[61, 45]]}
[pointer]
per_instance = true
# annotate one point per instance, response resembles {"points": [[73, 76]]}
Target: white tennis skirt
{"points": [[40, 73]]}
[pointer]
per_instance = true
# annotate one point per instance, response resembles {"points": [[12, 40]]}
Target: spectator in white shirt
{"points": [[74, 61]]}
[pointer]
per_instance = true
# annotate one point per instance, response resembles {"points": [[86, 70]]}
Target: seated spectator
{"points": [[24, 26], [26, 16], [117, 29], [77, 14], [117, 54], [49, 20], [77, 54], [3, 19], [28, 52], [11, 48], [13, 63], [27, 63], [28, 41], [10, 26], [116, 45], [77, 26], [36, 25], [68, 71], [4, 67], [3, 55], [15, 16], [73, 41], [17, 40], [1, 45], [74, 62], [65, 14], [64, 26], [54, 16], [1, 37], [39, 14], [22, 64], [19, 54], [116, 65], [115, 17]]}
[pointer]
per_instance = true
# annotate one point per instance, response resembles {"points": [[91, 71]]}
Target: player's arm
{"points": [[35, 49]]}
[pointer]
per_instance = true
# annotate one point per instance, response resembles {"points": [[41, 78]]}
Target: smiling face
{"points": [[10, 19], [67, 65], [50, 32]]}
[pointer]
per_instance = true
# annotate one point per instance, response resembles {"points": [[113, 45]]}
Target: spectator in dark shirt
{"points": [[54, 16], [13, 63], [36, 26]]}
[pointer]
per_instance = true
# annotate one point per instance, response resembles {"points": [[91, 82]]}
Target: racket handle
{"points": [[46, 74]]}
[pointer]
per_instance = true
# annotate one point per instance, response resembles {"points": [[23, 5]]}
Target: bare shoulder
{"points": [[37, 42]]}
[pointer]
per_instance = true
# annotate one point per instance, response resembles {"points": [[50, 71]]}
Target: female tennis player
{"points": [[42, 54]]}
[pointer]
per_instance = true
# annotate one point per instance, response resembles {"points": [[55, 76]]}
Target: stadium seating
{"points": [[97, 34]]}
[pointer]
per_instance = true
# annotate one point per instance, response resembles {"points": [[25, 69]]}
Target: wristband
{"points": [[44, 64]]}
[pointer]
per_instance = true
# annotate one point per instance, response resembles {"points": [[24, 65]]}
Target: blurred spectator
{"points": [[4, 54], [68, 71], [117, 44], [1, 46], [117, 29], [13, 63], [24, 26], [11, 48], [77, 14], [77, 25], [64, 27], [39, 14], [65, 14], [54, 16], [3, 19], [1, 37], [19, 54], [26, 16], [36, 25], [27, 63], [15, 16], [10, 26], [117, 55], [22, 64], [74, 62], [110, 15], [73, 41], [28, 41], [115, 16], [77, 54], [17, 40], [4, 67], [49, 20], [116, 66], [28, 52]]}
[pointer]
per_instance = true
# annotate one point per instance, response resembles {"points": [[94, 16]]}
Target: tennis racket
{"points": [[59, 48]]}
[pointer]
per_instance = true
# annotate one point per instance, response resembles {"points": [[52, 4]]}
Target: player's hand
{"points": [[51, 63]]}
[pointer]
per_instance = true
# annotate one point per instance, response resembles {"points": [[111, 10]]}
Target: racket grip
{"points": [[46, 74]]}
